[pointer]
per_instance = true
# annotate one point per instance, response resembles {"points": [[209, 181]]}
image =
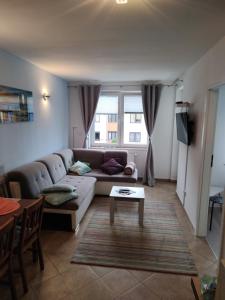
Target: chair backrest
{"points": [[31, 222], [7, 234]]}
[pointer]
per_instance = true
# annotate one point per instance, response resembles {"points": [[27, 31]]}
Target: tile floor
{"points": [[213, 235], [63, 280]]}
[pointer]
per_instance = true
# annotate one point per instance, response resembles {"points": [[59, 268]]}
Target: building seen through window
{"points": [[119, 120]]}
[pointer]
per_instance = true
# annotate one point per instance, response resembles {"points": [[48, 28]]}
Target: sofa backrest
{"points": [[67, 157], [119, 155], [33, 178], [55, 166], [92, 156]]}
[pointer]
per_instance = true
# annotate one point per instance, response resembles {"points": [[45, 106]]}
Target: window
{"points": [[97, 118], [97, 136], [134, 137], [135, 118], [119, 120], [107, 110], [134, 130], [112, 136], [112, 118]]}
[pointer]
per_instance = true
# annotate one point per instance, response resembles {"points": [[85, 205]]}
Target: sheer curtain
{"points": [[150, 99], [89, 95]]}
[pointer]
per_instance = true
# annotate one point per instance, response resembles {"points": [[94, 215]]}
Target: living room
{"points": [[56, 51]]}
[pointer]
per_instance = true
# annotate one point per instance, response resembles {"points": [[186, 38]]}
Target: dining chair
{"points": [[30, 237], [7, 236]]}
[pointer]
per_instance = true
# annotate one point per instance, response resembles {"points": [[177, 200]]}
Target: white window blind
{"points": [[133, 104]]}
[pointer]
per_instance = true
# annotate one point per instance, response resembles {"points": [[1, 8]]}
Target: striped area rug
{"points": [[160, 246]]}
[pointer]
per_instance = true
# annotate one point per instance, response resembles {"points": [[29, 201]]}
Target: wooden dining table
{"points": [[24, 203]]}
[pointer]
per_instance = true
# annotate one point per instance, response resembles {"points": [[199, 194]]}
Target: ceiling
{"points": [[100, 40]]}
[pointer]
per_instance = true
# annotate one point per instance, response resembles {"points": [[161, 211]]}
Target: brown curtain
{"points": [[150, 99], [89, 95]]}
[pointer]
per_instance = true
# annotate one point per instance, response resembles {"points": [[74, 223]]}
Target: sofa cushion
{"points": [[112, 167], [55, 166], [118, 155], [59, 188], [120, 177], [33, 178], [58, 199], [94, 157], [80, 168], [67, 157], [83, 184]]}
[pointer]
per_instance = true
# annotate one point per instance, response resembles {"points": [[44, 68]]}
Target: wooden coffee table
{"points": [[137, 194]]}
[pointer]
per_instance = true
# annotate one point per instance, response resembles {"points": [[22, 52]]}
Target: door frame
{"points": [[209, 129]]}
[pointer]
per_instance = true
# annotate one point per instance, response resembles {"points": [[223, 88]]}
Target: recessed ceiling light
{"points": [[121, 1]]}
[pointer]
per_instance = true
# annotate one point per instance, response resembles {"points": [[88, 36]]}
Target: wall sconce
{"points": [[45, 96]]}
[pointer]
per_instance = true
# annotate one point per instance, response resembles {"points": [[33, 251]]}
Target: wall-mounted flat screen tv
{"points": [[183, 128], [15, 105]]}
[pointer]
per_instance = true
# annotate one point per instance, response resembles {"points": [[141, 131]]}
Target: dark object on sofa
{"points": [[112, 167]]}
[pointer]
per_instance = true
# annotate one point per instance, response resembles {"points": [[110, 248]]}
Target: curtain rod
{"points": [[124, 84]]}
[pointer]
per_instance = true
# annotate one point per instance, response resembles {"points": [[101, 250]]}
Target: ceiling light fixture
{"points": [[121, 1]]}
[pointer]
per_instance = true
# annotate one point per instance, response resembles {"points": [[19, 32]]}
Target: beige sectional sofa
{"points": [[29, 180]]}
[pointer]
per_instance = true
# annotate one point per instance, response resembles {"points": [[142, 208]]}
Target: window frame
{"points": [[112, 133], [136, 121], [113, 116], [120, 121], [97, 121], [135, 133]]}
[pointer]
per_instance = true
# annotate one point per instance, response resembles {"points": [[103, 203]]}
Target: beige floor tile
{"points": [[119, 281], [200, 246], [62, 262], [169, 286], [35, 275], [93, 291], [52, 289], [141, 275], [140, 292], [101, 271], [209, 270], [79, 277]]}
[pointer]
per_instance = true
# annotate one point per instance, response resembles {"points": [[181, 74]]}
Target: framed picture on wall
{"points": [[15, 105]]}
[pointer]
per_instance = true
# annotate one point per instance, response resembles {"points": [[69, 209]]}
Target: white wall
{"points": [[204, 74], [162, 138], [23, 142], [218, 169]]}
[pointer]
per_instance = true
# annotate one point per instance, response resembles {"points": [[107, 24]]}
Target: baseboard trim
{"points": [[166, 180]]}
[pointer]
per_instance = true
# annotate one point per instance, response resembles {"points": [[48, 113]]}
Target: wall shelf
{"points": [[183, 104]]}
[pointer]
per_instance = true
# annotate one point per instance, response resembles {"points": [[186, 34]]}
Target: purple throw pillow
{"points": [[112, 167]]}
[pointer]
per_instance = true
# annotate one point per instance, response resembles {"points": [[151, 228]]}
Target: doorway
{"points": [[217, 176]]}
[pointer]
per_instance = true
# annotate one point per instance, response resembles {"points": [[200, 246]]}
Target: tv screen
{"points": [[183, 128]]}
